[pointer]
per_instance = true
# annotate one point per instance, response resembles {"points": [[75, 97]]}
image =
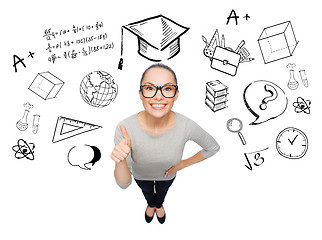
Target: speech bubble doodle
{"points": [[84, 155], [265, 100]]}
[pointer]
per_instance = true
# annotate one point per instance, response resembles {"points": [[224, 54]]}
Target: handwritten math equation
{"points": [[76, 41], [254, 158]]}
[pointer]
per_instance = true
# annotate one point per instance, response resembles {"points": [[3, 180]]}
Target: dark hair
{"points": [[160, 65]]}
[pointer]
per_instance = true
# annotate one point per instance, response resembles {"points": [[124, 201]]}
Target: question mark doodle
{"points": [[273, 95]]}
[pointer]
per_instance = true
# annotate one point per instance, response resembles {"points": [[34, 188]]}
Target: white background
{"points": [[217, 199]]}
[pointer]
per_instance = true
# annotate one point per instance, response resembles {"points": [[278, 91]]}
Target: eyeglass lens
{"points": [[167, 91]]}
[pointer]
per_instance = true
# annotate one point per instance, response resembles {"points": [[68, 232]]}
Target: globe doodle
{"points": [[98, 89]]}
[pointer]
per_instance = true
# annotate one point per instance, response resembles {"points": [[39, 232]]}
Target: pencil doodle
{"points": [[158, 38], [236, 125], [84, 155], [98, 89], [265, 100], [302, 105], [67, 128], [24, 150], [292, 143], [223, 58], [277, 42], [22, 124], [46, 85], [216, 95], [256, 155], [76, 41]]}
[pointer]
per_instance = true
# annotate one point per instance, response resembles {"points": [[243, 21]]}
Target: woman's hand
{"points": [[185, 163], [122, 150], [174, 169]]}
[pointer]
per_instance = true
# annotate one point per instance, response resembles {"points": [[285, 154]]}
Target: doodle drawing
{"points": [[277, 42], [304, 78], [216, 95], [82, 156], [302, 105], [22, 124], [225, 61], [67, 127], [223, 58], [235, 125], [24, 150], [46, 85], [98, 89], [158, 37], [265, 100], [292, 83], [292, 143], [256, 155], [17, 60], [35, 123]]}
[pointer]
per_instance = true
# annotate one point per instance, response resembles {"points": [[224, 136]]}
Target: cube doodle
{"points": [[277, 42]]}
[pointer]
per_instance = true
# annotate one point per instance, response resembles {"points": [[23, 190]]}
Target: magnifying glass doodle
{"points": [[236, 125]]}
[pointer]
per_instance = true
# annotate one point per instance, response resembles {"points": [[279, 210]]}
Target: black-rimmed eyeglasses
{"points": [[168, 90]]}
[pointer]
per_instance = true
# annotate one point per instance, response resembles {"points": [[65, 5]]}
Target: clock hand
{"points": [[292, 140]]}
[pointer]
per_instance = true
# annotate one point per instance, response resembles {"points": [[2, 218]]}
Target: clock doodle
{"points": [[292, 143]]}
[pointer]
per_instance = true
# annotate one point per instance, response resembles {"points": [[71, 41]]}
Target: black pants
{"points": [[154, 191]]}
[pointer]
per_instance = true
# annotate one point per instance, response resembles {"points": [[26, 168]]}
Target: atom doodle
{"points": [[24, 150], [302, 105]]}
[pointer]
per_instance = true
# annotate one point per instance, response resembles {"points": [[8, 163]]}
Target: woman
{"points": [[149, 145]]}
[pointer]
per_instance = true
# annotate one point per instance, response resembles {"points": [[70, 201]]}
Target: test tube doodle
{"points": [[35, 124], [304, 78]]}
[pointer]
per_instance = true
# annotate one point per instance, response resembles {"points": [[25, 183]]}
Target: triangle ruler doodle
{"points": [[67, 128]]}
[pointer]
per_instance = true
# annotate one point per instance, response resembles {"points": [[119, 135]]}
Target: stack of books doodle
{"points": [[216, 95]]}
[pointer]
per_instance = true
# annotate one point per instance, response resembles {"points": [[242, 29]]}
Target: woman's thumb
{"points": [[125, 135]]}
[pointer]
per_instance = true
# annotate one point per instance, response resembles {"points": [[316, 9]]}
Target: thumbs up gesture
{"points": [[122, 150]]}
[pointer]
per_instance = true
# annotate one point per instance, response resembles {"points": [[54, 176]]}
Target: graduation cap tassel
{"points": [[120, 66]]}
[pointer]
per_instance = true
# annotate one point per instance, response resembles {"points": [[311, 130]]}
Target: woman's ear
{"points": [[176, 96], [140, 94]]}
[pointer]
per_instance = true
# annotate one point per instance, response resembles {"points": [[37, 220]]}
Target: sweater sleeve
{"points": [[197, 134], [117, 139]]}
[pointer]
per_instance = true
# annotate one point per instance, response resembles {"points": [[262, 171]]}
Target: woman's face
{"points": [[158, 106]]}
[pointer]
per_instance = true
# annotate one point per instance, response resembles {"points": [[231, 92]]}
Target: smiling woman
{"points": [[149, 145]]}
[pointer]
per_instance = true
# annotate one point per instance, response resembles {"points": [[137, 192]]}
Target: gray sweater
{"points": [[152, 155]]}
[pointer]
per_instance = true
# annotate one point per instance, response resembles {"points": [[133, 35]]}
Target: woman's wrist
{"points": [[192, 160], [182, 164]]}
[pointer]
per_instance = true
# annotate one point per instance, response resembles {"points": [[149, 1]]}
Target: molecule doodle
{"points": [[24, 150], [302, 105]]}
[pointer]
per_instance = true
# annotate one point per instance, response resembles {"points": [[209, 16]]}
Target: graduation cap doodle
{"points": [[158, 38]]}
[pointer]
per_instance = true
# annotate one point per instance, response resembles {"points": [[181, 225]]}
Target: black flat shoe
{"points": [[148, 219], [161, 219]]}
